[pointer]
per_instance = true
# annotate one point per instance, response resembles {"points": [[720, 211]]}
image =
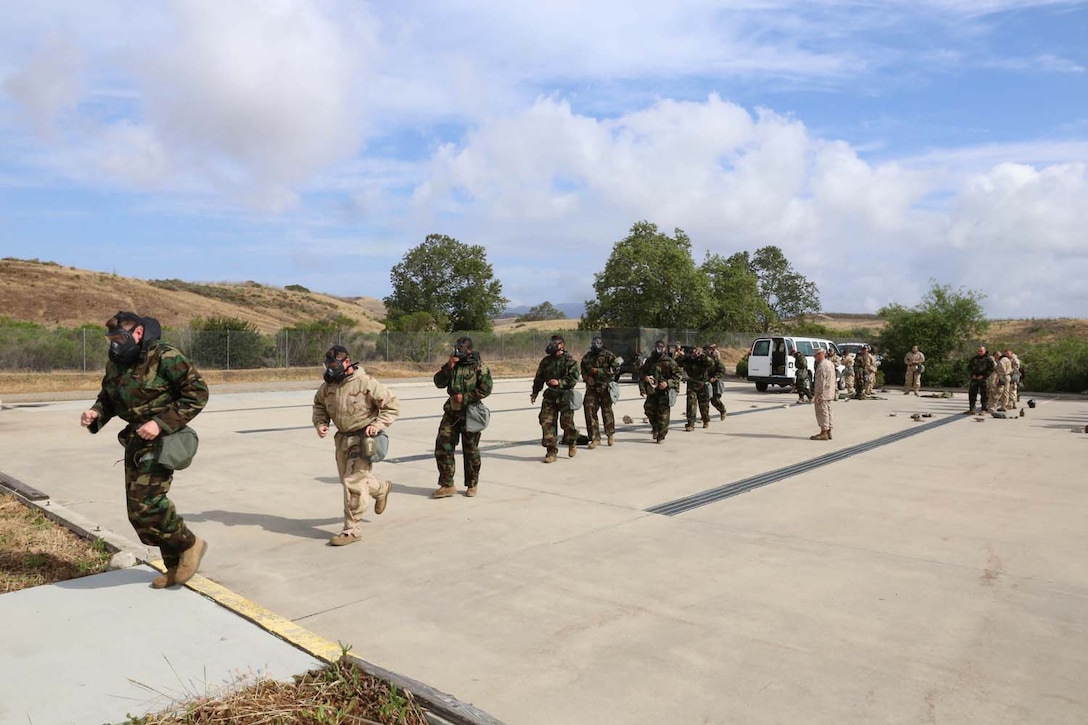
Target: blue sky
{"points": [[881, 144]]}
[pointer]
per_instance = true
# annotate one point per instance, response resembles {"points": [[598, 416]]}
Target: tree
{"points": [[447, 279], [544, 311], [943, 326], [734, 291], [649, 280], [228, 343], [786, 293]]}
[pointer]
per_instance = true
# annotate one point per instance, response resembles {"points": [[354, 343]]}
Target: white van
{"points": [[770, 361]]}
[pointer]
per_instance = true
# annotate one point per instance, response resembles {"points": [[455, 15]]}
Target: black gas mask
{"points": [[553, 347], [597, 345], [461, 353], [124, 351], [336, 371], [658, 352]]}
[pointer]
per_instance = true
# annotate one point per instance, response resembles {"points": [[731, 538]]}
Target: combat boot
{"points": [[382, 498], [165, 580], [470, 491], [571, 450], [706, 423], [611, 440], [553, 453], [594, 443], [190, 561], [689, 427], [722, 416], [344, 539], [821, 436], [443, 492]]}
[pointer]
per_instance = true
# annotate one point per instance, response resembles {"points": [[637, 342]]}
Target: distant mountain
{"points": [[573, 310]]}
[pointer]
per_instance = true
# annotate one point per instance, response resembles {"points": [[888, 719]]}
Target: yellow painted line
{"points": [[269, 621]]}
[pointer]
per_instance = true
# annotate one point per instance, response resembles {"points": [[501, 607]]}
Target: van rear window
{"points": [[804, 346], [761, 348]]}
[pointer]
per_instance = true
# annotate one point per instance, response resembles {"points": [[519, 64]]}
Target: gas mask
{"points": [[126, 351], [336, 371], [553, 347], [460, 353], [597, 345], [658, 352]]}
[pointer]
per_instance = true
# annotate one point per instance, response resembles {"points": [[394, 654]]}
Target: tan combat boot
{"points": [[571, 450], [611, 440], [382, 498], [689, 428], [821, 436], [594, 443], [470, 491], [344, 540], [190, 561], [444, 492], [552, 455], [165, 580], [706, 423], [722, 416]]}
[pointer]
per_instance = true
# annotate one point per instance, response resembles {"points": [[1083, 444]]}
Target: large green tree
{"points": [[649, 280], [447, 279], [943, 326], [544, 311], [736, 304], [786, 293]]}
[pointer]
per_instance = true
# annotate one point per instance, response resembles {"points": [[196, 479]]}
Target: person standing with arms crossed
{"points": [[154, 388], [466, 380]]}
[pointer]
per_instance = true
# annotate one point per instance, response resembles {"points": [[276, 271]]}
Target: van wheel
{"points": [[761, 387]]}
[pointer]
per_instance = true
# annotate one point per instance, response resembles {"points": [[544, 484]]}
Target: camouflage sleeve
{"points": [[571, 375], [388, 405], [540, 379], [675, 376], [320, 415], [442, 377], [103, 406], [483, 385], [190, 391], [586, 366]]}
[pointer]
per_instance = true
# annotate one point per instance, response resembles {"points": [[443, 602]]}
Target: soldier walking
{"points": [[558, 373], [659, 375], [360, 407], [599, 368], [154, 388], [467, 380], [717, 379], [697, 368]]}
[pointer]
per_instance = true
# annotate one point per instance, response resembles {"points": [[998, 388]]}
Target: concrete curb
{"points": [[440, 708]]}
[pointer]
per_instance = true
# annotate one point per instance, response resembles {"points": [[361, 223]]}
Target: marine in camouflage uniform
{"points": [[802, 377], [981, 368], [717, 379], [864, 374], [359, 406], [154, 388], [598, 367], [658, 375], [913, 360], [848, 372], [466, 380], [558, 373], [697, 367]]}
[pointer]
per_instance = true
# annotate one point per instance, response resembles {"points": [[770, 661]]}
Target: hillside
{"points": [[53, 295]]}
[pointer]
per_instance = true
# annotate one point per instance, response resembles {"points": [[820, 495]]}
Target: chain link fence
{"points": [[85, 349]]}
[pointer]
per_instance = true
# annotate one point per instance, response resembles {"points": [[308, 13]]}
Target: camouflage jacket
{"points": [[981, 366], [162, 386], [599, 368], [563, 368], [698, 369], [354, 403], [717, 368], [662, 368], [470, 377]]}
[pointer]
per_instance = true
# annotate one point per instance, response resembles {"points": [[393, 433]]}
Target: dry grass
{"points": [[35, 550], [509, 324], [339, 693]]}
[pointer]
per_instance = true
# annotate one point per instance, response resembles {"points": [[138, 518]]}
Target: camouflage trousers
{"points": [[716, 401], [598, 400], [862, 389], [150, 511], [450, 430], [698, 395], [914, 381], [974, 389], [848, 380], [658, 412], [357, 480], [551, 412]]}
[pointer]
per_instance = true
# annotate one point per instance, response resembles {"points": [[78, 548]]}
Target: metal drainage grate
{"points": [[680, 505]]}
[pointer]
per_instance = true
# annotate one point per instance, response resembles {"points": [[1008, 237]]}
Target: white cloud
{"points": [[50, 82]]}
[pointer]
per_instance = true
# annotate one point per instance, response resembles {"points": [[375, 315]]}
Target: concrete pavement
{"points": [[939, 577]]}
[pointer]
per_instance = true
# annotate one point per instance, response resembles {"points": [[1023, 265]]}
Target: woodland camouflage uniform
{"points": [[598, 370], [717, 375], [472, 379], [697, 367], [163, 386], [662, 368], [564, 368]]}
